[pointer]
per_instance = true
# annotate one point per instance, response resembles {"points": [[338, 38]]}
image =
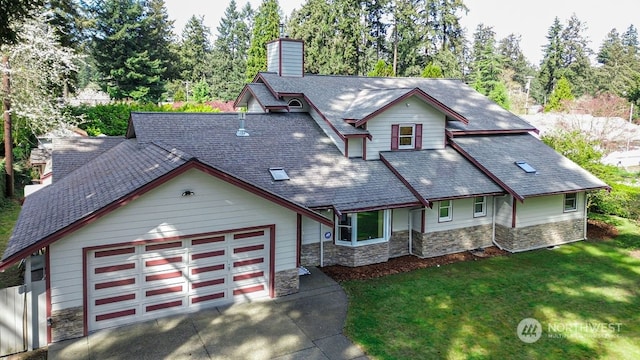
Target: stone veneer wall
{"points": [[287, 282], [67, 324], [537, 236], [398, 245], [452, 241]]}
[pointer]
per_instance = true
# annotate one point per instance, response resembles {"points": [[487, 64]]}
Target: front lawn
{"points": [[586, 296], [9, 211]]}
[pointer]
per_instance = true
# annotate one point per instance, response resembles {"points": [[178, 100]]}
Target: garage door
{"points": [[133, 283]]}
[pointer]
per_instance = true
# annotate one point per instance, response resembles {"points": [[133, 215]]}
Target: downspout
{"points": [[585, 216], [321, 246]]}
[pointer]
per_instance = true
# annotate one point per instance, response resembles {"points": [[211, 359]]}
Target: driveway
{"points": [[306, 325]]}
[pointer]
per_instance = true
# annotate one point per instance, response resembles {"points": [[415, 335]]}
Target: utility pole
{"points": [[8, 139]]}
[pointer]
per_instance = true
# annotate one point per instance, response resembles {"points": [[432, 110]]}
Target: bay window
{"points": [[363, 227]]}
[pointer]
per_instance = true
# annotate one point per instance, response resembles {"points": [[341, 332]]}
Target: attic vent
{"points": [[278, 174], [526, 167], [295, 104], [241, 130]]}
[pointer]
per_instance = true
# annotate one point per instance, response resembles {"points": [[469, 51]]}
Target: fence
{"points": [[23, 318]]}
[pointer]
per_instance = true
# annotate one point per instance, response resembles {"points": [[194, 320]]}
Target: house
{"points": [[196, 210]]}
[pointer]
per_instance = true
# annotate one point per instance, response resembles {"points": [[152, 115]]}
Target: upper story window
{"points": [[363, 227], [479, 206], [406, 136], [570, 202], [295, 104], [444, 210]]}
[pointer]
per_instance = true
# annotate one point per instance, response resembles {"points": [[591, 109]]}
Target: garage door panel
{"points": [[134, 283]]}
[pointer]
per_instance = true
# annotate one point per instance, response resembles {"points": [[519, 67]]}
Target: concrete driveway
{"points": [[306, 325]]}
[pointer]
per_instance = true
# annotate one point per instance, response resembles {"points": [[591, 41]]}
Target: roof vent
{"points": [[526, 167], [241, 130]]}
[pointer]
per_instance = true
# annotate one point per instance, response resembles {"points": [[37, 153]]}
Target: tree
{"points": [[230, 52], [195, 51], [126, 35], [266, 27], [575, 56], [201, 92], [487, 66], [12, 13], [432, 71], [382, 69], [560, 95], [551, 68], [619, 62]]}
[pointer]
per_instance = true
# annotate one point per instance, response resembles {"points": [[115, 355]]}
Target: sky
{"points": [[531, 19]]}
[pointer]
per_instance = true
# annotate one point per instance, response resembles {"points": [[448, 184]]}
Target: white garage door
{"points": [[134, 283]]}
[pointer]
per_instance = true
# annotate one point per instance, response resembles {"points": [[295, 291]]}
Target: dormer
{"points": [[286, 57]]}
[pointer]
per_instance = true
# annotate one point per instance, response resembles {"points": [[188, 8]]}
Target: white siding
{"points": [[504, 210], [400, 219], [273, 49], [461, 213], [418, 112], [547, 209], [163, 212], [312, 231], [253, 106], [355, 147], [292, 58]]}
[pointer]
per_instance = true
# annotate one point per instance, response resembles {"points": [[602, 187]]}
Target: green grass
{"points": [[9, 211], [471, 310]]}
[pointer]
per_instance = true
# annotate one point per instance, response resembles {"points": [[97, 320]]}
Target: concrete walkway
{"points": [[306, 325]]}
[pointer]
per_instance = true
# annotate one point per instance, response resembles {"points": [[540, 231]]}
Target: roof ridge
{"points": [[174, 152]]}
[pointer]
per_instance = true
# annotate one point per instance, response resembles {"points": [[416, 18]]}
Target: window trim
{"points": [[295, 106], [386, 230], [484, 206], [412, 136], [449, 208], [416, 137], [574, 199]]}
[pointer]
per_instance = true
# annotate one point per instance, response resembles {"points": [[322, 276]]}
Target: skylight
{"points": [[526, 167], [278, 174]]}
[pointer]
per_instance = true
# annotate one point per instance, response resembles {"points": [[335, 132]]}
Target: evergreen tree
{"points": [[266, 27], [160, 33], [382, 69], [575, 57], [12, 13], [314, 24], [376, 27], [229, 53], [487, 66], [616, 73], [560, 95], [409, 34], [552, 67], [444, 20], [124, 45], [195, 51], [201, 92], [432, 71]]}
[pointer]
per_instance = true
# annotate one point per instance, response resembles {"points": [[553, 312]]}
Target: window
{"points": [[406, 137], [526, 167], [278, 174], [444, 211], [570, 202], [479, 206], [295, 104], [363, 227]]}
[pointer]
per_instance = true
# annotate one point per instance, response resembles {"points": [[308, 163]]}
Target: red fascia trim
{"points": [[374, 208], [272, 261], [465, 196], [453, 134], [426, 97], [342, 137], [486, 171], [47, 282], [298, 239], [608, 188], [424, 202]]}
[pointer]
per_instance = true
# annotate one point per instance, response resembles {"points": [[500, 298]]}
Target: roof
{"points": [[440, 174], [320, 176], [554, 173], [264, 97], [335, 96], [104, 180], [39, 156], [71, 153]]}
